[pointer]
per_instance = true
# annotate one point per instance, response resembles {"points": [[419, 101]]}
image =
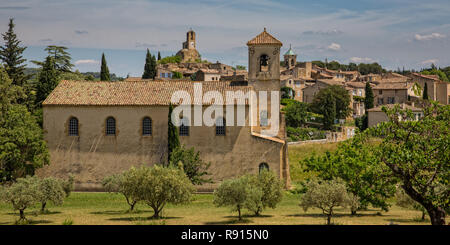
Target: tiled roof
{"points": [[264, 38], [330, 82], [139, 93], [394, 85], [356, 84]]}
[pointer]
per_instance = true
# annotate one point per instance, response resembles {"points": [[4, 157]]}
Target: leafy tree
{"points": [[22, 147], [191, 163], [22, 194], [148, 72], [234, 193], [241, 67], [296, 114], [331, 102], [417, 153], [173, 138], [325, 195], [287, 93], [425, 92], [51, 191], [67, 185], [11, 56], [104, 71], [271, 189], [47, 80], [355, 163], [128, 184], [61, 58], [163, 185], [170, 59]]}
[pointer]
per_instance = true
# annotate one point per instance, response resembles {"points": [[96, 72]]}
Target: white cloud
{"points": [[431, 36], [334, 47], [361, 60], [431, 61], [86, 62]]}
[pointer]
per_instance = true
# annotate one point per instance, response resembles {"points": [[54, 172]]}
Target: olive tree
{"points": [[266, 190], [23, 194], [51, 191], [67, 185], [404, 201], [235, 193], [163, 185], [325, 195], [128, 184]]}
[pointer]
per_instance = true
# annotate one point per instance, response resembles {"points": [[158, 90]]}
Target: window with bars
{"points": [[147, 126], [220, 126], [184, 127], [110, 126], [73, 126]]}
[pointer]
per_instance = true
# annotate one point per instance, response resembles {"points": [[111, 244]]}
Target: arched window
{"points": [[263, 121], [110, 126], [147, 126], [220, 126], [263, 166], [73, 126], [184, 127], [264, 63]]}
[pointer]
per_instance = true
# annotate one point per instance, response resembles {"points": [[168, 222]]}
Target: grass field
{"points": [[89, 208], [84, 208]]}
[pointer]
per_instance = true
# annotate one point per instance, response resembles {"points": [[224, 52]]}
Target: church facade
{"points": [[95, 129]]}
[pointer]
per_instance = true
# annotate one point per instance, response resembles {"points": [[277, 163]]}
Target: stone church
{"points": [[95, 129], [189, 52]]}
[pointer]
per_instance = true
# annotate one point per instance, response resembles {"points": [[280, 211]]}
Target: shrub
{"points": [[22, 194], [163, 185], [51, 191], [191, 163], [67, 221], [325, 195], [67, 185], [301, 134]]}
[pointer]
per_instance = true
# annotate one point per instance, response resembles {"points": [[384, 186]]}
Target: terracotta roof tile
{"points": [[140, 93], [264, 38]]}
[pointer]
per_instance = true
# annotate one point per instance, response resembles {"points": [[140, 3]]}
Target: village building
{"points": [[207, 75], [95, 129], [437, 90], [392, 93], [376, 115], [189, 51]]}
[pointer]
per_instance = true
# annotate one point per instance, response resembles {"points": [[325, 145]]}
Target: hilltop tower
{"points": [[189, 53]]}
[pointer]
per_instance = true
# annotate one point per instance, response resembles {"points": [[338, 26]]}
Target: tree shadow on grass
{"points": [[408, 220], [230, 221], [116, 212], [335, 215], [142, 218]]}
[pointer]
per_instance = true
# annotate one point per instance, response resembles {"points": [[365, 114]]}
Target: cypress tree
{"points": [[329, 111], [47, 80], [425, 92], [148, 66], [104, 71], [173, 139], [153, 67], [11, 56], [159, 56], [368, 101]]}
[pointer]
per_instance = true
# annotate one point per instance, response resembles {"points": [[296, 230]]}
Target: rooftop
{"points": [[264, 38], [390, 106], [133, 93]]}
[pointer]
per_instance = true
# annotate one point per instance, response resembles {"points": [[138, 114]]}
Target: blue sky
{"points": [[396, 33]]}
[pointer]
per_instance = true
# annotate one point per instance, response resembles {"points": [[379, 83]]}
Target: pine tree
{"points": [[147, 67], [60, 57], [368, 101], [159, 56], [104, 71], [11, 56], [173, 139], [47, 80], [425, 92]]}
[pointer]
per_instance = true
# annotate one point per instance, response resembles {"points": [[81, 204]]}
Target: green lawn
{"points": [[85, 208]]}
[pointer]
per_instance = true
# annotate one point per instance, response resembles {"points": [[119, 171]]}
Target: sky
{"points": [[395, 33]]}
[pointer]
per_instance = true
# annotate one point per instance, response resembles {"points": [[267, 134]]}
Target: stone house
{"points": [[376, 114], [392, 93], [95, 129]]}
